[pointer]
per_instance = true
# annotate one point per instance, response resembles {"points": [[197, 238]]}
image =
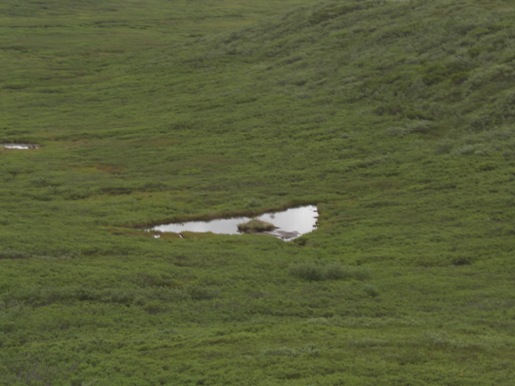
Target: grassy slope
{"points": [[396, 117]]}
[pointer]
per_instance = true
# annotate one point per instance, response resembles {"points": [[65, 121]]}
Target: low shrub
{"points": [[281, 351], [203, 293], [256, 226], [371, 290], [11, 254], [461, 261], [318, 271]]}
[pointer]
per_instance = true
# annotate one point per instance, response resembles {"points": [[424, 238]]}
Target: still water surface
{"points": [[19, 146], [291, 223]]}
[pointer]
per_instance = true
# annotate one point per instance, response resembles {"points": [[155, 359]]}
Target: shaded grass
{"points": [[317, 271]]}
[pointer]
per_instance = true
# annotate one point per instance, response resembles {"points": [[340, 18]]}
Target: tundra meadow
{"points": [[395, 118]]}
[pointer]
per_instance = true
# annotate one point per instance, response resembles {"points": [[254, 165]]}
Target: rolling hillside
{"points": [[396, 118]]}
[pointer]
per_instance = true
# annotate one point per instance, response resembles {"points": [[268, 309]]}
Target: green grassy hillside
{"points": [[395, 117]]}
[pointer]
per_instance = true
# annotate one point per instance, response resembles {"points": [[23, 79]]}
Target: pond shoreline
{"points": [[288, 224]]}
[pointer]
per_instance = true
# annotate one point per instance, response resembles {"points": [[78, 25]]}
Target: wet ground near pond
{"points": [[290, 223]]}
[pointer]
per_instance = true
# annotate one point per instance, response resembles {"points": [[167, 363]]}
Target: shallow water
{"points": [[291, 223], [19, 146]]}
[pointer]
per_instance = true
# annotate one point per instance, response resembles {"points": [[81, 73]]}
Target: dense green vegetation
{"points": [[395, 117]]}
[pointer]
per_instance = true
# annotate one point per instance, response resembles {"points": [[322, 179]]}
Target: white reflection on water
{"points": [[19, 146], [291, 223]]}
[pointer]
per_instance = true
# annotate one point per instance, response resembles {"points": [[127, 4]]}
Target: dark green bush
{"points": [[256, 226]]}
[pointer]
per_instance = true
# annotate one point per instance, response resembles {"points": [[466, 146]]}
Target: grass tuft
{"points": [[256, 226]]}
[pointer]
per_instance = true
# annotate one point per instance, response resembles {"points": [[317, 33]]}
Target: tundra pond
{"points": [[290, 224]]}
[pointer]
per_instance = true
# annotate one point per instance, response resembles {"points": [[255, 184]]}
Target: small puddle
{"points": [[290, 224], [19, 146]]}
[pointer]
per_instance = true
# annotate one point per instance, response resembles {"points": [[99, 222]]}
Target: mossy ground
{"points": [[395, 117]]}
